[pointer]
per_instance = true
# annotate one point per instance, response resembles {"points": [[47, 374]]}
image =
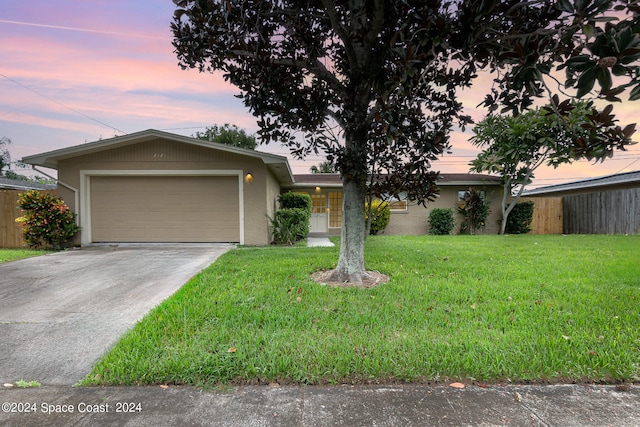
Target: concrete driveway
{"points": [[59, 313]]}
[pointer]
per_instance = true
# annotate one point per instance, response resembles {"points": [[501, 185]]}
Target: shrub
{"points": [[291, 222], [380, 216], [441, 221], [519, 219], [290, 225], [475, 211], [291, 200], [47, 222]]}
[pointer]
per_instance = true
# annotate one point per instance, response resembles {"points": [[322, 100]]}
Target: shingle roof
{"points": [[446, 179], [603, 181], [17, 184]]}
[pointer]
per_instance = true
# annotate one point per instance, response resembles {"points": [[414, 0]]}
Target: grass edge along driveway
{"points": [[471, 308], [7, 255]]}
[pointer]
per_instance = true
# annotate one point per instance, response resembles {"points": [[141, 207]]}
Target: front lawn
{"points": [[470, 308], [7, 255]]}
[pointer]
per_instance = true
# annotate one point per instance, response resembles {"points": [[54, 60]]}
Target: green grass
{"points": [[7, 255], [472, 308]]}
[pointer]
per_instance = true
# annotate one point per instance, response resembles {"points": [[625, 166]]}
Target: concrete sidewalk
{"points": [[315, 242], [399, 405]]}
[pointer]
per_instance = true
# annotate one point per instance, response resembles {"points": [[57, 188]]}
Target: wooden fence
{"points": [[547, 215], [605, 212], [10, 230]]}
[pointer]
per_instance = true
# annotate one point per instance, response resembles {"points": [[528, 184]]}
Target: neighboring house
{"points": [[17, 184], [604, 205], [153, 186], [618, 181]]}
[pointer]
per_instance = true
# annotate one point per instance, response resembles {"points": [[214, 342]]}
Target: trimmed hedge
{"points": [[441, 221], [519, 219], [291, 222]]}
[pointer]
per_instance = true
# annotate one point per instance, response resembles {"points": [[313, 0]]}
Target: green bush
{"points": [[291, 200], [47, 222], [290, 225], [519, 219], [441, 221], [380, 216]]}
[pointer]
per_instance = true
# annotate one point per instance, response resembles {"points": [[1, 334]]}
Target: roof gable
{"points": [[278, 165]]}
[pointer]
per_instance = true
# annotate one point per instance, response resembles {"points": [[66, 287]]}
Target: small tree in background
{"points": [[441, 221], [324, 167], [475, 211], [519, 221], [515, 146], [47, 223], [228, 134]]}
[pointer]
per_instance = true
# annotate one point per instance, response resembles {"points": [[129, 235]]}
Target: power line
{"points": [[61, 104]]}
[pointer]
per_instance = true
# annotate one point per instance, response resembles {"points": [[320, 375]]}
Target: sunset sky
{"points": [[78, 71]]}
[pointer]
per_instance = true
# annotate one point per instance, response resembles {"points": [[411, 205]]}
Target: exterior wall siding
{"points": [[415, 221]]}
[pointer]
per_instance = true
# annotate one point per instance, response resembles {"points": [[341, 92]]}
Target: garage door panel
{"points": [[165, 209]]}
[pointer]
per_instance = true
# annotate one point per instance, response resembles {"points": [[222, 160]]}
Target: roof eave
{"points": [[50, 159]]}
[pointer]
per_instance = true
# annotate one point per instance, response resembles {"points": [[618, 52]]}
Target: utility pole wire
{"points": [[61, 104]]}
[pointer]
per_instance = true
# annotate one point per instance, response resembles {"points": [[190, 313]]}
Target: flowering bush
{"points": [[47, 222], [380, 215]]}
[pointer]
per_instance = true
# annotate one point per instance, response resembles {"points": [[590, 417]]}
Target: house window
{"points": [[335, 209], [463, 193], [318, 204], [398, 204]]}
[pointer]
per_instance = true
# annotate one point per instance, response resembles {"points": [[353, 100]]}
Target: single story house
{"points": [[154, 186]]}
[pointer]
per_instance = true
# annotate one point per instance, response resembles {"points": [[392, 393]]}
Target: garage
{"points": [[194, 209], [156, 187]]}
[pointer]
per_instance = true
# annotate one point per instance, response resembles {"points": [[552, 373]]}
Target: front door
{"points": [[319, 216]]}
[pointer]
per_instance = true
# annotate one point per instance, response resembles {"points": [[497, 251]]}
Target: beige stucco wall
{"points": [[161, 154], [415, 221]]}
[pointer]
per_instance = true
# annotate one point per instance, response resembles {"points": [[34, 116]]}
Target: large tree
{"points": [[386, 75]]}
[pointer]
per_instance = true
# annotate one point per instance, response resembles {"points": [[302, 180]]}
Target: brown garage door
{"points": [[164, 209]]}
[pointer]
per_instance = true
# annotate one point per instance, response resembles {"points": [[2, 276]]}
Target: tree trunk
{"points": [[351, 262]]}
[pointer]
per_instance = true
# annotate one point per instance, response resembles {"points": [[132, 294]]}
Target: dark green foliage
{"points": [[290, 225], [519, 220], [441, 221], [475, 211], [324, 167], [291, 200], [47, 222], [291, 221], [230, 135], [380, 216]]}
